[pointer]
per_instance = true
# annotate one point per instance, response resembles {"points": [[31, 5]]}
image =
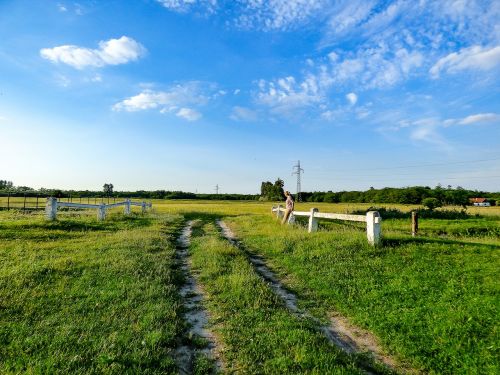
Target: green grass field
{"points": [[77, 295]]}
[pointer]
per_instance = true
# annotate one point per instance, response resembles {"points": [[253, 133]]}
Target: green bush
{"points": [[431, 203]]}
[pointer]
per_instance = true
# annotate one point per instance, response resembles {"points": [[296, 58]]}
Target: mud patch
{"points": [[340, 332], [194, 313]]}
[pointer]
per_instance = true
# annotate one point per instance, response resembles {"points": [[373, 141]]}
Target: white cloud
{"points": [[480, 117], [475, 57], [352, 98], [328, 115], [428, 134], [285, 94], [266, 15], [62, 8], [243, 114], [277, 14], [110, 52], [429, 129], [182, 6], [473, 119], [188, 114], [373, 68], [346, 16], [178, 99]]}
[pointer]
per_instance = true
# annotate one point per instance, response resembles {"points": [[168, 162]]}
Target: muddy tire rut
{"points": [[340, 332], [194, 313]]}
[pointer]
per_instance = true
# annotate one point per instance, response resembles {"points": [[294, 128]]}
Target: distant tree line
{"points": [[4, 184], [409, 195], [275, 191], [6, 187]]}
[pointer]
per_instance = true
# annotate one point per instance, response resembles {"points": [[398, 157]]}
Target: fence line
{"points": [[53, 204], [372, 219]]}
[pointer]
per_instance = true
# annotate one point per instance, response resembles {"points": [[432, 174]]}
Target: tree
{"points": [[272, 192], [431, 203], [108, 189], [4, 184]]}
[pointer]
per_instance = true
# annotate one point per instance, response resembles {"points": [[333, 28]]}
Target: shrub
{"points": [[431, 203]]}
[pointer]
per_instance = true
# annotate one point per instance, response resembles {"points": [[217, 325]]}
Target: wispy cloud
{"points": [[243, 114], [178, 99], [285, 94], [430, 129], [473, 119], [475, 57], [389, 43], [379, 67], [269, 15], [110, 52], [188, 114], [183, 6], [277, 14]]}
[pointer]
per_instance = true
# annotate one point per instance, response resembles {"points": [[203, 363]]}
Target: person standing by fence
{"points": [[289, 207]]}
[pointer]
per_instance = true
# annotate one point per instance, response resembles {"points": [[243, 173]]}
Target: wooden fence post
{"points": [[101, 212], [127, 207], [414, 223], [51, 208], [313, 221], [8, 201], [373, 227], [24, 203]]}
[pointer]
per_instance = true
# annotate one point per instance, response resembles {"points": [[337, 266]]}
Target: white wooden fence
{"points": [[52, 205], [372, 219]]}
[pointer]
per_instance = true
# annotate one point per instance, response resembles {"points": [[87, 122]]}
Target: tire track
{"points": [[194, 313], [350, 339]]}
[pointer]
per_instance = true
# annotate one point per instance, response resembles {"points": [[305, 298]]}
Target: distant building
{"points": [[482, 202]]}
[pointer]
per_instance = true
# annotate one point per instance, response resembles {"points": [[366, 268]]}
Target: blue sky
{"points": [[187, 94]]}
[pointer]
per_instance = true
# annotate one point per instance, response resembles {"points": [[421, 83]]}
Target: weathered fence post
{"points": [[279, 214], [414, 223], [313, 221], [127, 207], [51, 208], [101, 212], [373, 227], [8, 201]]}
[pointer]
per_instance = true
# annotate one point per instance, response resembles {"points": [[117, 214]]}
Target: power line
{"points": [[414, 165], [217, 189], [416, 178], [297, 170], [397, 174]]}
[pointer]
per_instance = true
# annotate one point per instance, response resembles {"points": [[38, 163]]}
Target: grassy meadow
{"points": [[77, 295]]}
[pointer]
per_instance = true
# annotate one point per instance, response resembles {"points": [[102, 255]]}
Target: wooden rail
{"points": [[372, 219], [52, 205]]}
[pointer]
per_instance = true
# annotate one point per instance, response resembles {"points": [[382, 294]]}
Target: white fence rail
{"points": [[372, 219], [52, 205]]}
